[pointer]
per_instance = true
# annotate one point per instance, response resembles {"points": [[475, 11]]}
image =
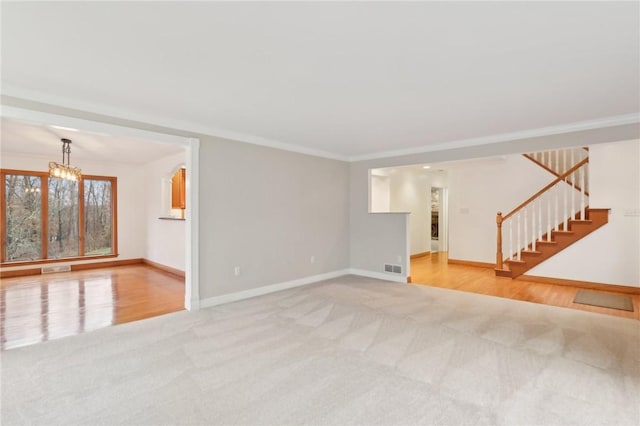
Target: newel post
{"points": [[499, 263]]}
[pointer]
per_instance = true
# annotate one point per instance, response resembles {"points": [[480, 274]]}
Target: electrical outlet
{"points": [[399, 259], [236, 271], [312, 259]]}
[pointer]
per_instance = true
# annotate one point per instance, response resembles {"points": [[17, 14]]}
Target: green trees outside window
{"points": [[52, 218], [98, 217]]}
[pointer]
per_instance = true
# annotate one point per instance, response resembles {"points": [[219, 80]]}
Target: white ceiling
{"points": [[44, 141], [349, 79]]}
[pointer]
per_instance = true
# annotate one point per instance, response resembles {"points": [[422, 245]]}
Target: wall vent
{"points": [[54, 269], [394, 269]]}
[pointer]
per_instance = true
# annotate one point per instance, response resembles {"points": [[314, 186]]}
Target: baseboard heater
{"points": [[54, 269]]}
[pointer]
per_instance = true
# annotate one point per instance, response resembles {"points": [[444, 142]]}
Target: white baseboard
{"points": [[247, 294], [379, 275], [192, 304]]}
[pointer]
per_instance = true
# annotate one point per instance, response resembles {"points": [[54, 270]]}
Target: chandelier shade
{"points": [[65, 170]]}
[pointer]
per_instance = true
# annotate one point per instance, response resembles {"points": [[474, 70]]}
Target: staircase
{"points": [[553, 218], [559, 161]]}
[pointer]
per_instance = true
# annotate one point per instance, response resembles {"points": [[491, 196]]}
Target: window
{"points": [[23, 217], [99, 216], [63, 228], [48, 218]]}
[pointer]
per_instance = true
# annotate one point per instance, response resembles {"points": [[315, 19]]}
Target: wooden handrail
{"points": [[553, 172], [537, 194]]}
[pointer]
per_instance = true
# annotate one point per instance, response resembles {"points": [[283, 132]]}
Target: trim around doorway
{"points": [[192, 147]]}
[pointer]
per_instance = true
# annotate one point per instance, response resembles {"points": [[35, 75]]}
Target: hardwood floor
{"points": [[435, 271], [43, 307], [37, 308]]}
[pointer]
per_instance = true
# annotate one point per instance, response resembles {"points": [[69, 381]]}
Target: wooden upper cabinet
{"points": [[178, 189]]}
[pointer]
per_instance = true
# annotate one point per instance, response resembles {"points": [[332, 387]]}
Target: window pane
{"points": [[23, 217], [97, 217], [63, 218]]}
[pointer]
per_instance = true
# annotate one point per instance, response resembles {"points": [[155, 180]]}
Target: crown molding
{"points": [[169, 123], [89, 125], [505, 137], [189, 127]]}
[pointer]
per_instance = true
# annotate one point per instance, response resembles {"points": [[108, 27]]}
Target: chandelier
{"points": [[65, 170]]}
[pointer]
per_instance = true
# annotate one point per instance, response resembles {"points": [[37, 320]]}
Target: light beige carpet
{"points": [[346, 351]]}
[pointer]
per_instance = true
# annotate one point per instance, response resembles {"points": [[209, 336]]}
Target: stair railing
{"points": [[559, 161], [548, 210]]}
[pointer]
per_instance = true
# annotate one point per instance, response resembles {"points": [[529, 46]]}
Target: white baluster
{"points": [[511, 239], [540, 218], [526, 230], [555, 219], [518, 246], [573, 187], [585, 168], [547, 159], [533, 226], [573, 195], [557, 165], [586, 179], [582, 199], [565, 188], [549, 201]]}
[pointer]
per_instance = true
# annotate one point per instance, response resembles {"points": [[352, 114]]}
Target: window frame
{"points": [[44, 194]]}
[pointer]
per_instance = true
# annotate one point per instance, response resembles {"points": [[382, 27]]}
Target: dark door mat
{"points": [[605, 300]]}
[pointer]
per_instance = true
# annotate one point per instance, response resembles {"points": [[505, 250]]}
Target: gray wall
{"points": [[262, 209], [268, 211]]}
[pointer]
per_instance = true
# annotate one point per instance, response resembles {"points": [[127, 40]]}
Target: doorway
{"points": [[191, 147], [439, 221]]}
